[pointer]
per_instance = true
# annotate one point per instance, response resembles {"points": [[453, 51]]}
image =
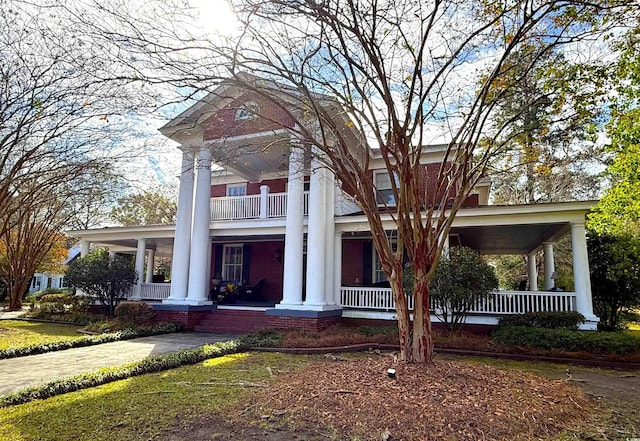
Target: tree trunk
{"points": [[404, 322], [422, 344], [15, 292]]}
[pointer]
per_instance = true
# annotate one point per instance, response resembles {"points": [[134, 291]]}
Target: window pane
{"points": [[237, 190]]}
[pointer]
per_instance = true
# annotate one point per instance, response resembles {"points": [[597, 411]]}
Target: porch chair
{"points": [[254, 293]]}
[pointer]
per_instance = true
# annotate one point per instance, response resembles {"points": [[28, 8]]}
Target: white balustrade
{"points": [[248, 207], [277, 205], [155, 291], [498, 302], [235, 207]]}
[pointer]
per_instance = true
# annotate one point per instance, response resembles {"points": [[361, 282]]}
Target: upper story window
{"points": [[382, 181], [248, 111], [237, 189]]}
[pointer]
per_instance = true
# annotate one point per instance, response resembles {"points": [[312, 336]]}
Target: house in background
{"points": [[274, 225], [41, 281]]}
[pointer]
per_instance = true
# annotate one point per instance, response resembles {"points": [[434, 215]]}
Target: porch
{"points": [[498, 303]]}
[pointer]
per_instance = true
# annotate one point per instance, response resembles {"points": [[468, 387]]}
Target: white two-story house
{"points": [[277, 227]]}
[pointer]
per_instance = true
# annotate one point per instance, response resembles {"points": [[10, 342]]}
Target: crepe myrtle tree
{"points": [[107, 279], [355, 79]]}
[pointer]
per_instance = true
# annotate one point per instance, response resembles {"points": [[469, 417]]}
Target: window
{"points": [[248, 111], [237, 189], [232, 264], [62, 283], [382, 181], [379, 275]]}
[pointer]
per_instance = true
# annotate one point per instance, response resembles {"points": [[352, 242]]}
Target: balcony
{"points": [[259, 206]]}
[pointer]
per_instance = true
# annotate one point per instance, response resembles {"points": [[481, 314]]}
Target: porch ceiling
{"points": [[509, 239], [252, 156]]}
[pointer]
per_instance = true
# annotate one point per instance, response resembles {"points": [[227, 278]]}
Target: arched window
{"points": [[248, 111]]}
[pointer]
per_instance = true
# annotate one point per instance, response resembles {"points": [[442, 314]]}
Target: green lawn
{"points": [[141, 408], [16, 333]]}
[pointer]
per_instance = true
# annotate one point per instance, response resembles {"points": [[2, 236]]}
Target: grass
{"points": [[142, 408], [18, 334]]}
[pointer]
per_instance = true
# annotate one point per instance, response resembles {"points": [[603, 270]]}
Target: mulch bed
{"points": [[446, 400]]}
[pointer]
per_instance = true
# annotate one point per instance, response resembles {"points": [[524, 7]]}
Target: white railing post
{"points": [[264, 198]]}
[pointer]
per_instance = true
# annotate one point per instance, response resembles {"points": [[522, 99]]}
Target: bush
{"points": [[370, 331], [37, 295], [262, 339], [551, 320], [134, 313], [61, 303], [458, 283], [76, 318], [567, 340]]}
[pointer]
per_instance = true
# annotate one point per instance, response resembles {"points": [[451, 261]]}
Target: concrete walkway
{"points": [[9, 315], [21, 372]]}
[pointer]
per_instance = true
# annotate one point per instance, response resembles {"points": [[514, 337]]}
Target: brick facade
{"points": [[303, 323]]}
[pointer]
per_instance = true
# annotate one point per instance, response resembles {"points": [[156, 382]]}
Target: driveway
{"points": [[21, 372]]}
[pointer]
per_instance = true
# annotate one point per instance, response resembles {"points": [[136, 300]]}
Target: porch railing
{"points": [[259, 206], [498, 302], [155, 291]]}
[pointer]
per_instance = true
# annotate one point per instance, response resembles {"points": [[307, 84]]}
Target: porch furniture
{"points": [[254, 293]]}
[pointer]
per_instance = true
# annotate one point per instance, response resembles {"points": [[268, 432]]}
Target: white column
{"points": [[445, 246], [337, 267], [316, 234], [198, 291], [549, 266], [533, 272], [330, 228], [84, 248], [140, 252], [264, 201], [581, 280], [151, 257], [294, 231], [182, 239]]}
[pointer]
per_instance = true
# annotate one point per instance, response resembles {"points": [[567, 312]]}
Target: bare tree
{"points": [[361, 78]]}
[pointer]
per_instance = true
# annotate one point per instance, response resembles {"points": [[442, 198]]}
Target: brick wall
{"points": [[232, 321], [190, 319], [307, 324]]}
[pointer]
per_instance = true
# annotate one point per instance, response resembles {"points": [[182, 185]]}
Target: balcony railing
{"points": [[498, 302], [261, 206], [155, 291]]}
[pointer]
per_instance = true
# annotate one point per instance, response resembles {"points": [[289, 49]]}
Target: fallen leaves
{"points": [[446, 400]]}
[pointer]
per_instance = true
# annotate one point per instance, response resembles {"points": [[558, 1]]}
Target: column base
{"points": [[283, 305], [134, 299], [188, 302], [303, 319], [590, 324]]}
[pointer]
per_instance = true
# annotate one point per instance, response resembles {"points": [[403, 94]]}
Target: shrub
{"points": [[262, 339], [370, 331], [568, 340], [37, 295], [552, 320], [458, 283], [76, 318], [134, 313], [61, 303]]}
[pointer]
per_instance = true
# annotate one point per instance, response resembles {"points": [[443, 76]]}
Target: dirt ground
{"points": [[353, 398]]}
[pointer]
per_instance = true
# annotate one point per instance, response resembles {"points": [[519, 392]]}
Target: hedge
{"points": [[568, 340], [552, 320], [90, 340], [148, 365]]}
